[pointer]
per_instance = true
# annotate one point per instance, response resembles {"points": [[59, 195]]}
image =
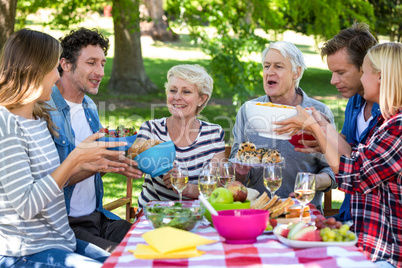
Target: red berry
{"points": [[104, 130], [273, 222]]}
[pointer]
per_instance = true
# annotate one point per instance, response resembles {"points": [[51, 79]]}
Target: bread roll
{"points": [[141, 146], [294, 211]]}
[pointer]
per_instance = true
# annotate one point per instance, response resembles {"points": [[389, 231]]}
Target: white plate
{"points": [[237, 161], [308, 244]]}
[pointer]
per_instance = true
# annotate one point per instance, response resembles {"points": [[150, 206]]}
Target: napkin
{"points": [[170, 243]]}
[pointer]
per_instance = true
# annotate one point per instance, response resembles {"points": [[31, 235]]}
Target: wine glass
{"points": [[179, 177], [304, 189], [207, 180], [272, 176], [226, 172]]}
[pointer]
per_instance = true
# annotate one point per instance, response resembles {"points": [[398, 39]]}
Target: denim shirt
{"points": [[294, 161], [352, 110], [65, 142]]}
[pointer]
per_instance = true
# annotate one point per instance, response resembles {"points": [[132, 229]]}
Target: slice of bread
{"points": [[280, 209], [271, 202]]}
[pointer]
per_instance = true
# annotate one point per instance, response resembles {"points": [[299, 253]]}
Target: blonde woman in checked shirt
{"points": [[188, 90], [34, 230], [371, 172]]}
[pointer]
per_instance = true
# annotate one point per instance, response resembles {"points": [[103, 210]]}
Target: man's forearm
{"points": [[79, 175], [323, 181]]}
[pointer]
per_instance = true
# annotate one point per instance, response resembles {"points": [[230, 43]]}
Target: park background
{"points": [[148, 37]]}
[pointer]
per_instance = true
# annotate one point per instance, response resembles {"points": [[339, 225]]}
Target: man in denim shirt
{"points": [[75, 116], [345, 53]]}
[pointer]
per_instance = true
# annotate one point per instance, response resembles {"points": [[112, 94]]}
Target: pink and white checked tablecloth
{"points": [[267, 252]]}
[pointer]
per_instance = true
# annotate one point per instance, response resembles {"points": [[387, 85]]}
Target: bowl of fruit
{"points": [[120, 134], [325, 232], [234, 196], [184, 215]]}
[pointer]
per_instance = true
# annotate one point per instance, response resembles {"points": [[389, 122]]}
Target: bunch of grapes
{"points": [[334, 231]]}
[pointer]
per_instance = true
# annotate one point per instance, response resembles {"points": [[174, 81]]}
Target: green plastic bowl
{"points": [[219, 207]]}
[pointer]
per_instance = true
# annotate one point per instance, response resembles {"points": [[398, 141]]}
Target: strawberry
{"points": [[273, 222], [104, 130]]}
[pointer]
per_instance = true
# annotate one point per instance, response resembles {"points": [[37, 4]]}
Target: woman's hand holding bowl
{"points": [[301, 121]]}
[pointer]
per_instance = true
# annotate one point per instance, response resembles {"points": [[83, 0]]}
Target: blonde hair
{"points": [[387, 59], [26, 58], [193, 74]]}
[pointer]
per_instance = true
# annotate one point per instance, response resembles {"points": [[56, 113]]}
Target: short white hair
{"points": [[193, 74], [288, 50]]}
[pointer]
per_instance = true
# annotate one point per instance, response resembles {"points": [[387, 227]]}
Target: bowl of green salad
{"points": [[184, 215]]}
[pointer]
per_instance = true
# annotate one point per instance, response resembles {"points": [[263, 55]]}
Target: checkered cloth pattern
{"points": [[267, 252]]}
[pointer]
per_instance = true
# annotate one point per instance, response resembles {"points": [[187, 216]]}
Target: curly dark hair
{"points": [[78, 39]]}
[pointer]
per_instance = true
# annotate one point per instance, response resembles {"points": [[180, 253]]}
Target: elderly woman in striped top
{"points": [[34, 230], [188, 90]]}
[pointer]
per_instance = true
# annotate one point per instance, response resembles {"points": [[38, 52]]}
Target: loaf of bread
{"points": [[141, 146]]}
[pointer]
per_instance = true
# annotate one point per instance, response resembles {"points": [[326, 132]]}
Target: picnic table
{"points": [[267, 252]]}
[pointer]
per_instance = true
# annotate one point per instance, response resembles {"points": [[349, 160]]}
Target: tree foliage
{"points": [[388, 18], [128, 73], [232, 32]]}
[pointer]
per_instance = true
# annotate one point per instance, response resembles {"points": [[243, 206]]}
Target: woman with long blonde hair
{"points": [[34, 229], [370, 172]]}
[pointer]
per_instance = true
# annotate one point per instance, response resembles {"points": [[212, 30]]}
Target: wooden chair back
{"points": [[328, 210], [124, 201]]}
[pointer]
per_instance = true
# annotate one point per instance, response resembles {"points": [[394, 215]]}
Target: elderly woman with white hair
{"points": [[188, 90], [283, 67]]}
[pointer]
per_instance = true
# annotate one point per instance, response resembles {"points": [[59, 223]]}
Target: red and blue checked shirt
{"points": [[373, 175]]}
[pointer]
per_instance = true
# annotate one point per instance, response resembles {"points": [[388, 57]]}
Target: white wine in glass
{"points": [[304, 189], [272, 175], [179, 178], [207, 185], [226, 172], [208, 180]]}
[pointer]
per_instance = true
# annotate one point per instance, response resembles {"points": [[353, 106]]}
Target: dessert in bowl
{"points": [[261, 116]]}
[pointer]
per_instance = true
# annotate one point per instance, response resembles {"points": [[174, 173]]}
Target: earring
{"points": [[199, 105]]}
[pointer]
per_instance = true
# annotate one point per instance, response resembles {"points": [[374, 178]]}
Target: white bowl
{"points": [[260, 118]]}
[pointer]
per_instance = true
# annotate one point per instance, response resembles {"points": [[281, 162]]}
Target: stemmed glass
{"points": [[272, 176], [226, 172], [207, 180], [304, 189], [179, 177]]}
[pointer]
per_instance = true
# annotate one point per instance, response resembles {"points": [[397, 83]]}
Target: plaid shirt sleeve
{"points": [[378, 160]]}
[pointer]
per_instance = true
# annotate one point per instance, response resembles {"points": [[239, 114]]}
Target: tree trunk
{"points": [[157, 28], [128, 72], [8, 9]]}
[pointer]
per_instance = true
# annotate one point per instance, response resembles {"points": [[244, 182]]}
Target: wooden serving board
{"points": [[293, 220]]}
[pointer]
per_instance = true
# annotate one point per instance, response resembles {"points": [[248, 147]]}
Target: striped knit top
{"points": [[210, 141], [33, 215]]}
